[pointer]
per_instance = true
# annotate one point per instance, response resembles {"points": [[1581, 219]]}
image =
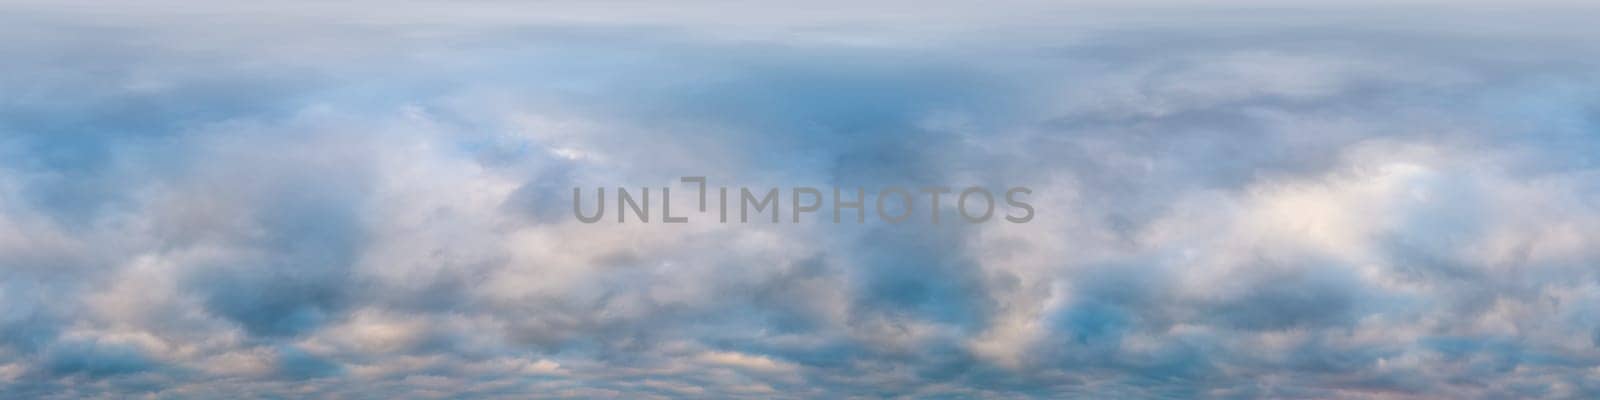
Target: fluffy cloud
{"points": [[296, 202]]}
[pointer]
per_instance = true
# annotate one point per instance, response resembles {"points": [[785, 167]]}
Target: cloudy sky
{"points": [[371, 200]]}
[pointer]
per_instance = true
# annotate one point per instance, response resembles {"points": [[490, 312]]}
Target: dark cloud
{"points": [[95, 360]]}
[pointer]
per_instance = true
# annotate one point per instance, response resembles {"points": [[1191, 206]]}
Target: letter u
{"points": [[600, 205]]}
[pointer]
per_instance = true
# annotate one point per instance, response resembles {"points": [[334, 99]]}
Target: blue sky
{"points": [[361, 200]]}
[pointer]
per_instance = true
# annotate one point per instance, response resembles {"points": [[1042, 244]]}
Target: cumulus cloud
{"points": [[207, 201]]}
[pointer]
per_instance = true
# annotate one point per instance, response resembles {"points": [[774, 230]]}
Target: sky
{"points": [[371, 200]]}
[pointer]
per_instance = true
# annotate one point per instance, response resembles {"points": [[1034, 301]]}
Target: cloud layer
{"points": [[359, 201]]}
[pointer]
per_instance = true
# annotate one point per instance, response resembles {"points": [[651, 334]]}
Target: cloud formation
{"points": [[358, 201]]}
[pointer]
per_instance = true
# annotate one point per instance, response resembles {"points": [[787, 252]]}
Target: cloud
{"points": [[283, 202]]}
